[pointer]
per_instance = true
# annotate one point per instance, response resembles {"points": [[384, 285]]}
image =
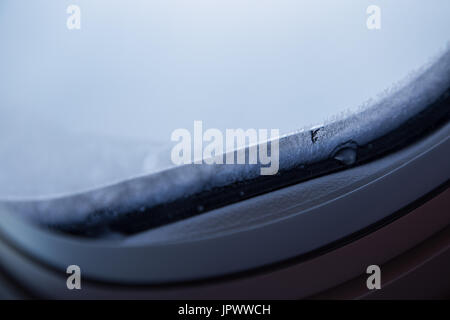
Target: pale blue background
{"points": [[79, 109]]}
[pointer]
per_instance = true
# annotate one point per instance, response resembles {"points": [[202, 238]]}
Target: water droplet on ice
{"points": [[346, 155]]}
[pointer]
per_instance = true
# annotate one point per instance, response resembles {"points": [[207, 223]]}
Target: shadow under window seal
{"points": [[402, 118]]}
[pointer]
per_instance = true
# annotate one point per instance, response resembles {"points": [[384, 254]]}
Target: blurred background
{"points": [[84, 108]]}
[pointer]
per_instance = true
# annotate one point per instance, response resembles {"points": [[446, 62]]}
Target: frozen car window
{"points": [[80, 109]]}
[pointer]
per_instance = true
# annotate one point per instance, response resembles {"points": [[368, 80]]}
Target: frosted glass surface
{"points": [[85, 108]]}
